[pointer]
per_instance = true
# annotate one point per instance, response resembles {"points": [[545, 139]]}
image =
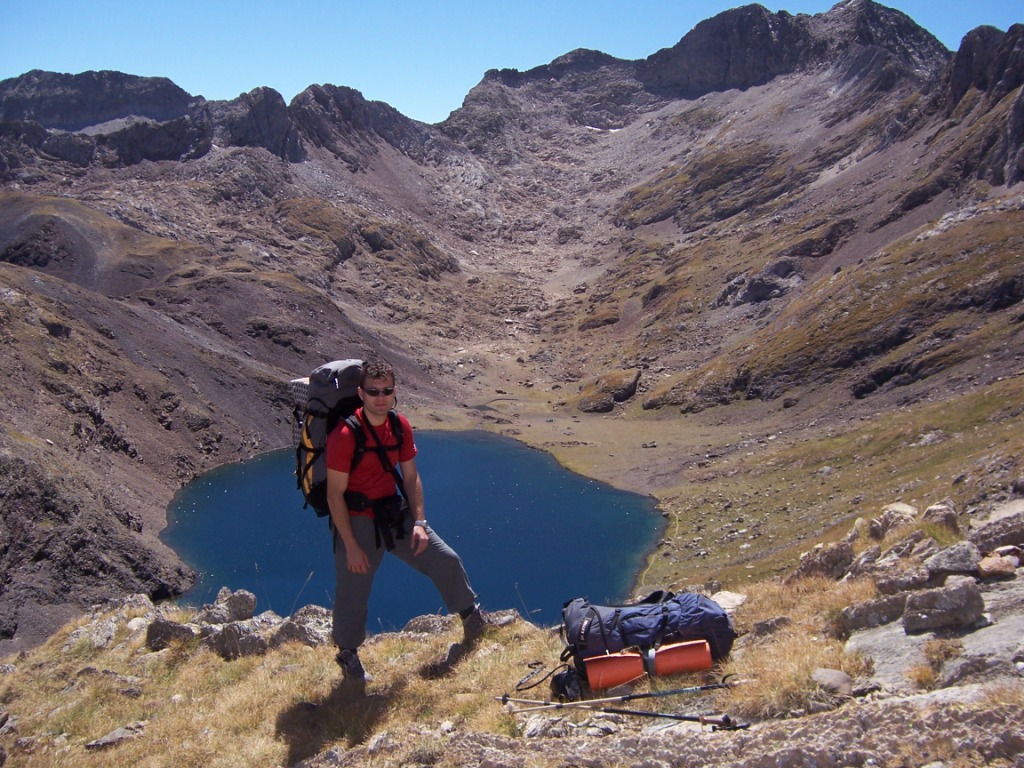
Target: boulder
{"points": [[229, 606], [864, 563], [237, 639], [961, 558], [310, 625], [902, 580], [118, 735], [1006, 531], [162, 632], [943, 514], [601, 394], [873, 613], [831, 560], [997, 567], [834, 681], [958, 605], [893, 515]]}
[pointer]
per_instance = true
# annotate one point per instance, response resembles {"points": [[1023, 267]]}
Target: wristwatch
{"points": [[420, 523]]}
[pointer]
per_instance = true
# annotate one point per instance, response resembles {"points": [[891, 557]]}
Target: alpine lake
{"points": [[531, 534]]}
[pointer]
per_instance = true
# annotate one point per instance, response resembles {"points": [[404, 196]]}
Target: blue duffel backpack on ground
{"points": [[661, 617]]}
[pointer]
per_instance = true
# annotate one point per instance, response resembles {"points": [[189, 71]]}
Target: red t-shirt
{"points": [[370, 476]]}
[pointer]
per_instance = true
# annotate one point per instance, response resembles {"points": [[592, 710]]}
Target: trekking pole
{"points": [[537, 706], [717, 722]]}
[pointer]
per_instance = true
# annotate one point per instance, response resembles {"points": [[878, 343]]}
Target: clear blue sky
{"points": [[420, 56]]}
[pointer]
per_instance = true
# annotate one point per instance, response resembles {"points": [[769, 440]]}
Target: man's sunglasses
{"points": [[374, 392]]}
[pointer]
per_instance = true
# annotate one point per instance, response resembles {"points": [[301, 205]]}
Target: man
{"points": [[361, 500]]}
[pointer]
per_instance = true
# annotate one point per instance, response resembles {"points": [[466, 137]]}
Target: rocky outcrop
{"points": [[601, 394], [64, 546], [928, 593], [259, 118], [989, 61], [749, 46], [231, 630], [740, 48], [111, 118], [953, 598], [106, 118], [76, 102], [343, 122]]}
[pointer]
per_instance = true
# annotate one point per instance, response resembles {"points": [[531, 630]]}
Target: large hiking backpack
{"points": [[322, 400], [660, 618]]}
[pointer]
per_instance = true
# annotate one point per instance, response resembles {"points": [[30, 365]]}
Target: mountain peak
{"points": [[72, 102]]}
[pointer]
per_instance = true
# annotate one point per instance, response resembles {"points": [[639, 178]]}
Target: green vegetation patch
{"points": [[349, 232], [711, 186], [902, 315]]}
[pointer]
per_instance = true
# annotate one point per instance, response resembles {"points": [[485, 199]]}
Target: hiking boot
{"points": [[351, 666], [474, 625]]}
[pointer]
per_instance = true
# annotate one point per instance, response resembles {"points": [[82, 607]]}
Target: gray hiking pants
{"points": [[439, 562]]}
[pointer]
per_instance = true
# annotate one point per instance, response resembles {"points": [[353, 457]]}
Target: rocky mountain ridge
{"points": [[776, 228]]}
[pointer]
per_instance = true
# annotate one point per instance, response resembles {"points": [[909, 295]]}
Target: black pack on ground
{"points": [[322, 400], [660, 618]]}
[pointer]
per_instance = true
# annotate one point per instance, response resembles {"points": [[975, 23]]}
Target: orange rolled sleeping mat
{"points": [[611, 669]]}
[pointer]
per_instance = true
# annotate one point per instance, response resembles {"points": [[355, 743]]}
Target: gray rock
{"points": [[944, 514], [537, 726], [432, 624], [831, 560], [957, 605], [237, 639], [228, 607], [961, 558], [905, 547], [864, 562], [117, 736], [893, 516], [834, 681], [770, 626], [310, 625], [908, 579], [162, 632], [99, 634], [1005, 531], [873, 613]]}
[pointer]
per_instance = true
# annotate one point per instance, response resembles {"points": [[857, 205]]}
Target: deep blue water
{"points": [[531, 534]]}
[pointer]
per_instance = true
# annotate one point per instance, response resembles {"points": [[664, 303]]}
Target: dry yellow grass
{"points": [[936, 653], [779, 666], [200, 711]]}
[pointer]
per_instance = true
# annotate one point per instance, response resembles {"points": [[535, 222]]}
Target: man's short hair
{"points": [[376, 368]]}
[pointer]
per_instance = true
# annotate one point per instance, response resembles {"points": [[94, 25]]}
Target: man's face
{"points": [[378, 395]]}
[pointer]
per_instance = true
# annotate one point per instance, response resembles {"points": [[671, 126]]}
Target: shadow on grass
{"points": [[445, 665], [348, 713]]}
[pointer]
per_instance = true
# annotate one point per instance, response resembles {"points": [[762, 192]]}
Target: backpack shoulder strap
{"points": [[396, 427], [356, 427], [353, 423]]}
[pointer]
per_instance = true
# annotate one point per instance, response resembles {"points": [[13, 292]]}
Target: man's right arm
{"points": [[337, 484]]}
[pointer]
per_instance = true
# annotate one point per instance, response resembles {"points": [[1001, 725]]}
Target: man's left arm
{"points": [[414, 495]]}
